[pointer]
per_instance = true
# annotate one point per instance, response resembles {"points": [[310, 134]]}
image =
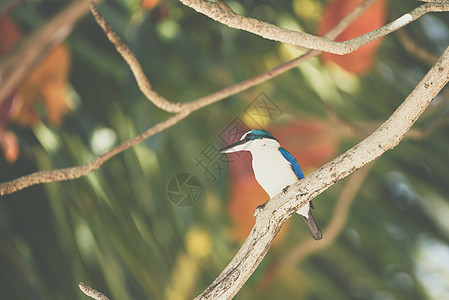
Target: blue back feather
{"points": [[293, 163]]}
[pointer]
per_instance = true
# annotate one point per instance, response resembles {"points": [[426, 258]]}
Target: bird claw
{"points": [[262, 206], [259, 209], [284, 190]]}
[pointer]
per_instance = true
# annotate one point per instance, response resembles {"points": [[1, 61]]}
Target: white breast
{"points": [[272, 171]]}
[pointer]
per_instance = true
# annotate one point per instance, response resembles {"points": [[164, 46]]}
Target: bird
{"points": [[274, 168]]}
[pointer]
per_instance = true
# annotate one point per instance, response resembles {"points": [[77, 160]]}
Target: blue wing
{"points": [[293, 163]]}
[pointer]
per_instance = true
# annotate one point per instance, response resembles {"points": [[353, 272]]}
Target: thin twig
{"points": [[336, 224], [134, 64], [433, 1], [93, 293], [79, 171], [414, 49], [362, 130], [302, 39]]}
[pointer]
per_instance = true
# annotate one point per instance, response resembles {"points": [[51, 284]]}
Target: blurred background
{"points": [[162, 219]]}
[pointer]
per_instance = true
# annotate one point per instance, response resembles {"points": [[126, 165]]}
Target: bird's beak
{"points": [[237, 146]]}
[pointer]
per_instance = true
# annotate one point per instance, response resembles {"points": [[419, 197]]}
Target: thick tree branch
{"points": [[302, 39], [331, 233], [270, 219], [187, 108]]}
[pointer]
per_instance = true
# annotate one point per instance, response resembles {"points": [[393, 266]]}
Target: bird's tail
{"points": [[313, 227]]}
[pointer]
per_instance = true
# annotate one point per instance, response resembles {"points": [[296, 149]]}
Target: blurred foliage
{"points": [[359, 61], [116, 229]]}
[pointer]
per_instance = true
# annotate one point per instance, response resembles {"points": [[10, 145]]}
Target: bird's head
{"points": [[252, 140]]}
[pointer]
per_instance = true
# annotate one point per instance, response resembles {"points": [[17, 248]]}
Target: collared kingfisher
{"points": [[274, 168]]}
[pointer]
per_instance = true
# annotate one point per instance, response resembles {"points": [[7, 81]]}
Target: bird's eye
{"points": [[248, 136]]}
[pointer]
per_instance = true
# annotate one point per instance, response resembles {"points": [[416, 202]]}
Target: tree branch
{"points": [[302, 39], [136, 68], [17, 64], [93, 293], [332, 231], [163, 103], [412, 47], [362, 130], [79, 171], [223, 5], [270, 219], [186, 108]]}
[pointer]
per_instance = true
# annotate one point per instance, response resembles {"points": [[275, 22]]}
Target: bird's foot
{"points": [[284, 190], [259, 209], [262, 206]]}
